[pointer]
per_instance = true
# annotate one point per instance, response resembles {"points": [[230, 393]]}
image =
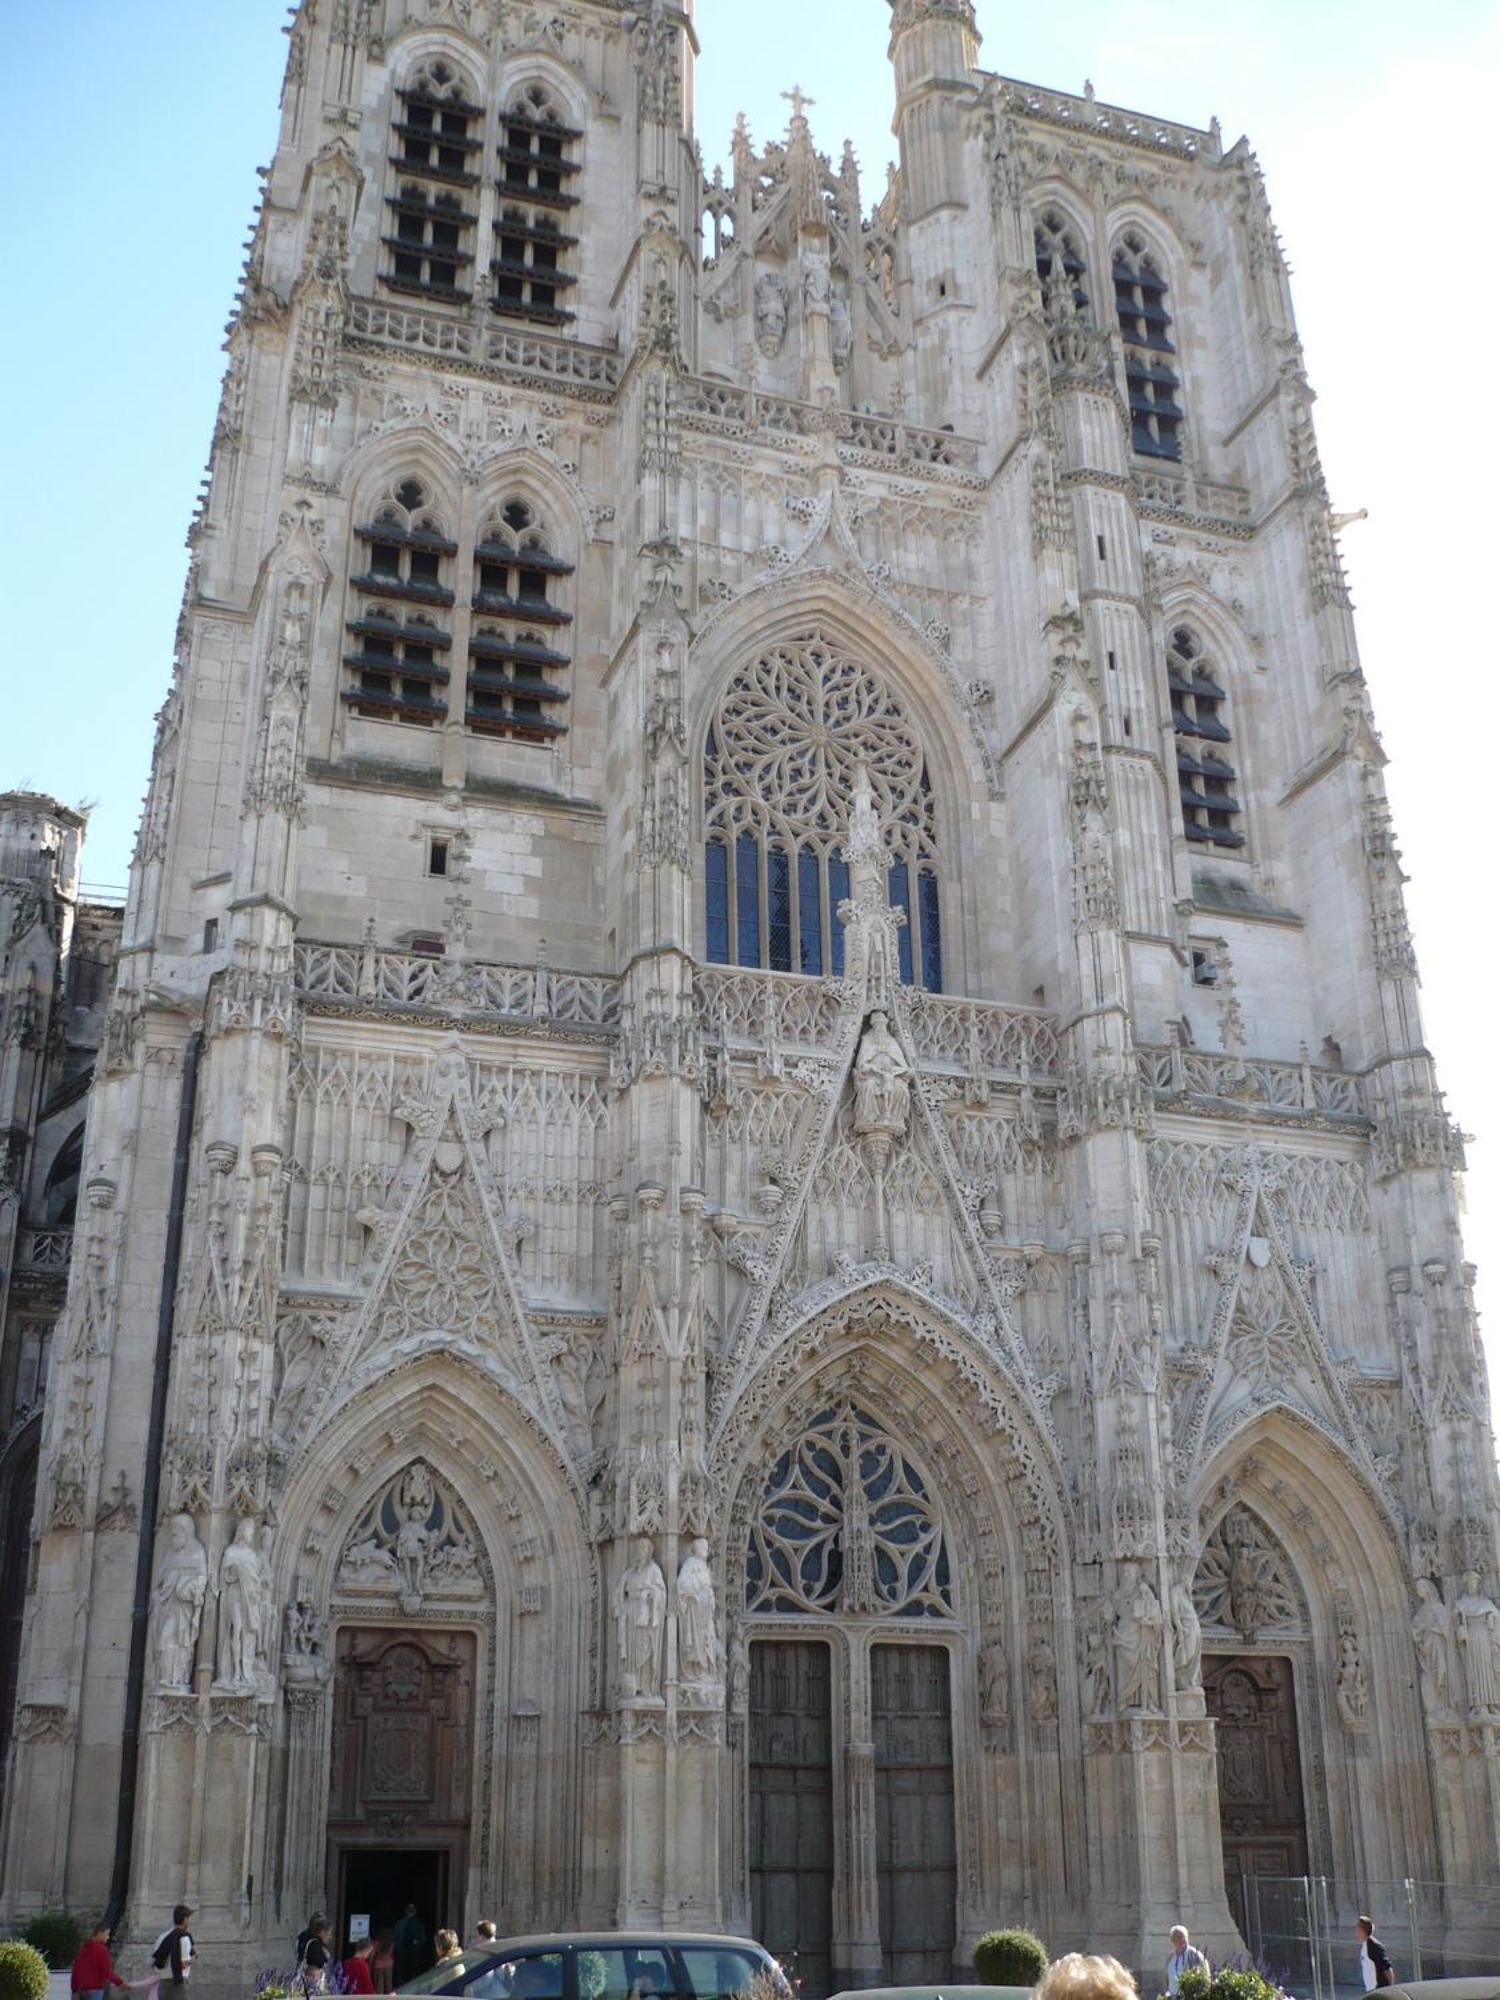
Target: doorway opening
{"points": [[380, 1884], [1252, 1698]]}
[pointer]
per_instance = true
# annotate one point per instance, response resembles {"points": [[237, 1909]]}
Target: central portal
{"points": [[401, 1782]]}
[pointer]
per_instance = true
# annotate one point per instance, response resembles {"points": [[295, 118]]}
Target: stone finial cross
{"points": [[798, 102]]}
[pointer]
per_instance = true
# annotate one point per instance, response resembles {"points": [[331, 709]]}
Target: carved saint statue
{"points": [[840, 330], [1431, 1629], [1041, 1679], [1097, 1678], [1479, 1643], [882, 1080], [770, 314], [697, 1634], [994, 1686], [1138, 1642], [181, 1586], [640, 1617], [1187, 1640], [242, 1594], [1351, 1690]]}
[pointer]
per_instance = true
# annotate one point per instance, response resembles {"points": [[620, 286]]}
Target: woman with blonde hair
{"points": [[1080, 1977]]}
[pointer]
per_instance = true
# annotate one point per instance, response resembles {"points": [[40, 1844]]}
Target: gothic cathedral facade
{"points": [[767, 1240]]}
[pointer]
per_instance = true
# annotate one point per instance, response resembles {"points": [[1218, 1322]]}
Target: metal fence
{"points": [[1301, 1929]]}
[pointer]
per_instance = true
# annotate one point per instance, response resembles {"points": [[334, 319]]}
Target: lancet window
{"points": [[781, 760], [1060, 266], [1152, 383], [429, 242], [846, 1525], [398, 636], [1205, 776], [538, 172], [517, 666]]}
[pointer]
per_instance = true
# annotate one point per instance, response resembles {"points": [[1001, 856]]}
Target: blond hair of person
{"points": [[1079, 1976]]}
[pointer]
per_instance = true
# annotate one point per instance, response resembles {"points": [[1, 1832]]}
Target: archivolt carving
{"points": [[846, 1524], [415, 1543]]}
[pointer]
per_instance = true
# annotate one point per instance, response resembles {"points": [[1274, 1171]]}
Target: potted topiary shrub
{"points": [[23, 1972], [1009, 1958], [56, 1934], [1228, 1982]]}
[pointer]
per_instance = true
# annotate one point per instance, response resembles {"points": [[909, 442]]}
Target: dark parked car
{"points": [[606, 1965]]}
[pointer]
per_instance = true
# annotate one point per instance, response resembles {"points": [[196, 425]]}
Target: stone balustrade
{"points": [[1293, 1088], [371, 977]]}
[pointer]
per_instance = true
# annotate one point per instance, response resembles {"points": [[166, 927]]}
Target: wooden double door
{"points": [[801, 1780], [1262, 1815]]}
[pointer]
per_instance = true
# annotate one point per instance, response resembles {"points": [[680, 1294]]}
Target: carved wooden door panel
{"points": [[915, 1859], [791, 1804], [1261, 1809], [403, 1735]]}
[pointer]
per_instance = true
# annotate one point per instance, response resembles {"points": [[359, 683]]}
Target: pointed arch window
{"points": [[401, 596], [846, 1525], [429, 242], [1206, 778], [1061, 266], [531, 267], [780, 763], [518, 662], [1153, 386]]}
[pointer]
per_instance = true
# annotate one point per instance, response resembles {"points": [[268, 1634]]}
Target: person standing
{"points": [[175, 1947], [484, 1935], [410, 1942], [92, 1970], [1374, 1960], [1185, 1957], [317, 1956], [383, 1961], [358, 1977]]}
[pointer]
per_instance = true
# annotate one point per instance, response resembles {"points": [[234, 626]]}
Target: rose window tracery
{"points": [[791, 734], [846, 1525], [1244, 1582]]}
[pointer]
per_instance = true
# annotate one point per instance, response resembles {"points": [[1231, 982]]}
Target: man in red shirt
{"points": [[92, 1970]]}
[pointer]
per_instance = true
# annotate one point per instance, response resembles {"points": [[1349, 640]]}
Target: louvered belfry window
{"points": [[398, 636], [429, 238], [1152, 384], [1211, 811], [531, 266], [518, 662]]}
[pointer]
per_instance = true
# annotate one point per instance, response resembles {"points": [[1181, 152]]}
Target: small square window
{"points": [[1205, 971], [211, 934], [437, 857]]}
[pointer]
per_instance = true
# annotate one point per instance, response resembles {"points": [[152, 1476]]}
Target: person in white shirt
{"points": [[1185, 1957], [1374, 1960]]}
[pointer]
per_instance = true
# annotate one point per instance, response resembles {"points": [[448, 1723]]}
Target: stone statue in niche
{"points": [[1431, 1631], [1479, 1645], [412, 1537], [816, 285], [1138, 1642], [1187, 1650], [994, 1685], [770, 314], [1098, 1682], [242, 1608], [1041, 1679], [882, 1081], [697, 1630], [640, 1618], [181, 1586], [1351, 1690], [840, 330]]}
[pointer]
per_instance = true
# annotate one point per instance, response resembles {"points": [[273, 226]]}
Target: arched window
{"points": [[397, 647], [537, 168], [846, 1525], [60, 1196], [780, 765], [517, 666], [1205, 776], [1151, 378], [1060, 266], [430, 246]]}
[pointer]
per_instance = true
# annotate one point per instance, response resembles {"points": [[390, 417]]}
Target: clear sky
{"points": [[136, 126]]}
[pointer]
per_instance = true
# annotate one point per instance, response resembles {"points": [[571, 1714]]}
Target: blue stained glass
{"points": [[779, 909], [747, 900], [900, 893], [932, 931], [810, 911], [838, 890], [716, 900]]}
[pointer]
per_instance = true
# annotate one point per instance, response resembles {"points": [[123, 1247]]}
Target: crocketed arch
{"points": [[792, 730]]}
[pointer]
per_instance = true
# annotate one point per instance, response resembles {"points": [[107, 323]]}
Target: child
{"points": [[92, 1970]]}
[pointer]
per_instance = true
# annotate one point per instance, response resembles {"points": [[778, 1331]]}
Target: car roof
{"points": [[1487, 1988], [960, 1992], [557, 1940]]}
